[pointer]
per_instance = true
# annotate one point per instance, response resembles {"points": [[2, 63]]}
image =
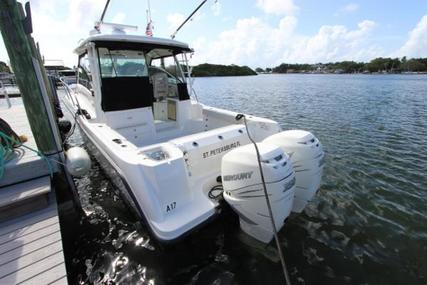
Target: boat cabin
{"points": [[138, 86]]}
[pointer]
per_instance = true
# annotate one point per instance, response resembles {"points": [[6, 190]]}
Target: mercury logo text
{"points": [[238, 176]]}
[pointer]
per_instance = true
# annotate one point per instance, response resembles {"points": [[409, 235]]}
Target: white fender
{"points": [[77, 161]]}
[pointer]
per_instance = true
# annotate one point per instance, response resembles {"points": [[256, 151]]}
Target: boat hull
{"points": [[127, 193]]}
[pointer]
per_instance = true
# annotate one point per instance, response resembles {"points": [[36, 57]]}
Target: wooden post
{"points": [[16, 30]]}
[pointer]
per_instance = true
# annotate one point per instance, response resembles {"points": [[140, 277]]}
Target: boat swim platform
{"points": [[31, 249]]}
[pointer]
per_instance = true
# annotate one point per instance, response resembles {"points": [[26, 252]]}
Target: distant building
{"points": [[7, 78], [4, 75]]}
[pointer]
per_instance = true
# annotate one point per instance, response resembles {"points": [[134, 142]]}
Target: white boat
{"points": [[171, 155]]}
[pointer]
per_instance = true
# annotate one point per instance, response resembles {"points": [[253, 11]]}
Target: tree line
{"points": [[380, 64], [207, 69]]}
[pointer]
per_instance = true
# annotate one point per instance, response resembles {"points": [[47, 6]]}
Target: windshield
{"points": [[122, 63], [169, 66]]}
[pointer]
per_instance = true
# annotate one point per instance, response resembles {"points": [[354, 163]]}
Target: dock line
{"points": [[7, 151]]}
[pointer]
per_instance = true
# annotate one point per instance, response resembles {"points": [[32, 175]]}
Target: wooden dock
{"points": [[30, 237], [26, 164], [31, 249]]}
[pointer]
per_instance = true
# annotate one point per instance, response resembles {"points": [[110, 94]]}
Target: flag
{"points": [[149, 29]]}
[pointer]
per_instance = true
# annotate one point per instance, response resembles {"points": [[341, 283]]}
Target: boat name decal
{"points": [[170, 207], [221, 149], [238, 176]]}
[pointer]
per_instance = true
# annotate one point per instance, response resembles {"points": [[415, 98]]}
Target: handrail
{"points": [[68, 91], [6, 95]]}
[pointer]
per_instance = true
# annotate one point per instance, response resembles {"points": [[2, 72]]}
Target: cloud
{"points": [[83, 12], [416, 45], [278, 7], [216, 8], [351, 7], [119, 18], [347, 9], [59, 34], [174, 20], [336, 43], [256, 43]]}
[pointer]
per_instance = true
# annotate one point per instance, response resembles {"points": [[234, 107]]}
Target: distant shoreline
{"points": [[346, 73], [406, 74], [212, 70], [378, 65]]}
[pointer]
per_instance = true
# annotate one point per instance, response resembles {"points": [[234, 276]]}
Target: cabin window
{"points": [[124, 79], [164, 65], [122, 63]]}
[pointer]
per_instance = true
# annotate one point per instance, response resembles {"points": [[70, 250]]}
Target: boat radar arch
{"points": [[117, 29], [164, 42]]}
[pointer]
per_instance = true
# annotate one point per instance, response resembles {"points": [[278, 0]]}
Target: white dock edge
{"points": [[31, 249]]}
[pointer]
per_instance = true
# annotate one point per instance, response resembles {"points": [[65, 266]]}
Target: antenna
{"points": [[97, 27], [105, 10], [188, 18]]}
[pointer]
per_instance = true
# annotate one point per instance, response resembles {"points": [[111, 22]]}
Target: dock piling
{"points": [[22, 51]]}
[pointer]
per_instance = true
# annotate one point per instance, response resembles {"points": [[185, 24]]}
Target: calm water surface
{"points": [[367, 225]]}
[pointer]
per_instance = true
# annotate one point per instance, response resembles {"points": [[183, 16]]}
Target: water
{"points": [[367, 225]]}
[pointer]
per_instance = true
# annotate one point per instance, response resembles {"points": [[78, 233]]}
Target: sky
{"points": [[257, 33]]}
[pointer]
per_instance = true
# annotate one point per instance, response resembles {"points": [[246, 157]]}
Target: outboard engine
{"points": [[243, 188], [307, 156]]}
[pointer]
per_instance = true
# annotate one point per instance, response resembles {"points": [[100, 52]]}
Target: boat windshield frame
{"points": [[135, 64], [146, 48], [128, 83]]}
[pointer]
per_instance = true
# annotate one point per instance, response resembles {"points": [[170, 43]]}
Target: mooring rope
{"points": [[276, 236], [7, 150]]}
